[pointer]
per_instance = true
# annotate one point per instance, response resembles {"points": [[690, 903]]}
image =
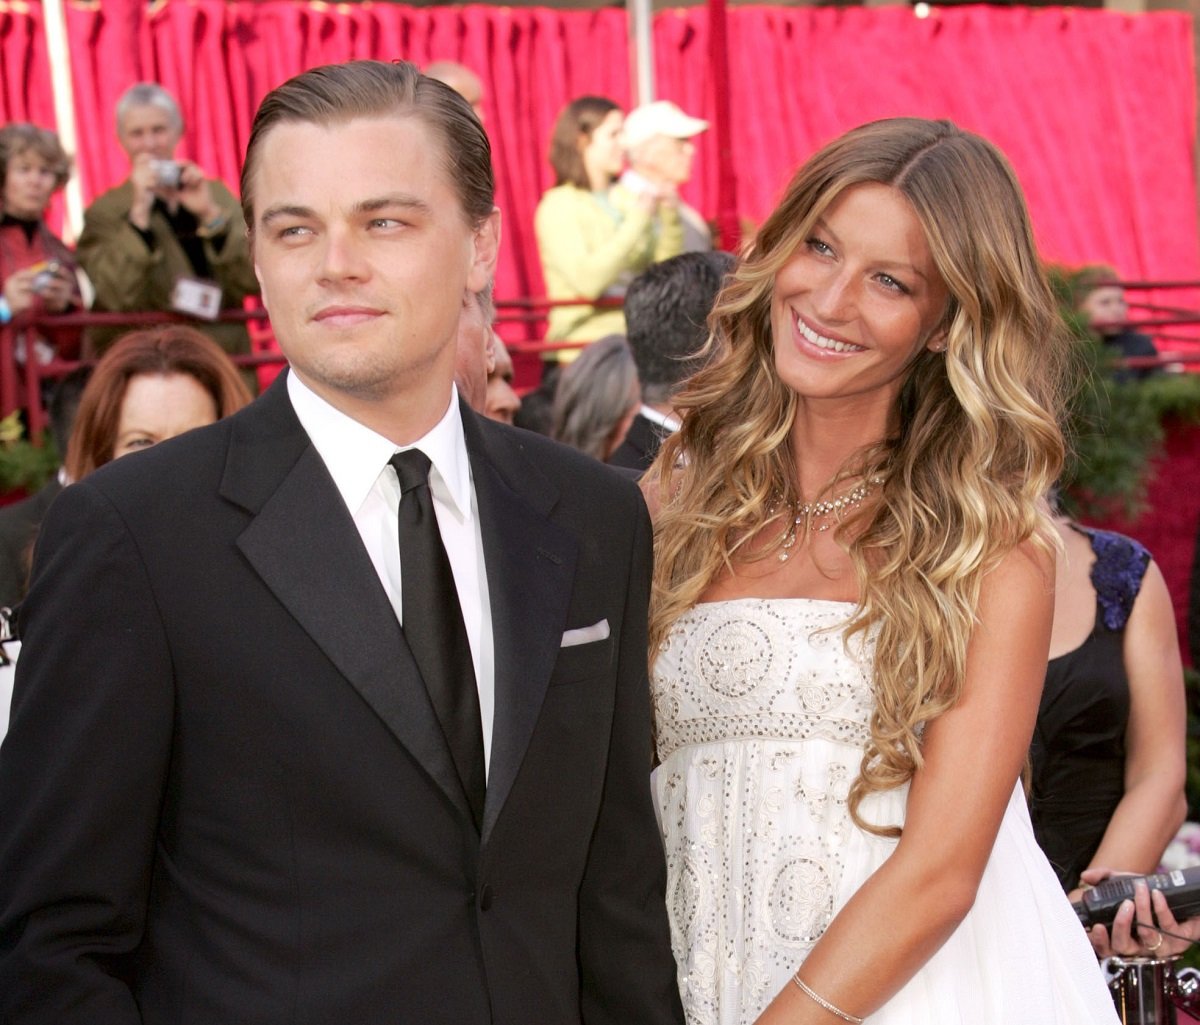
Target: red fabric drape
{"points": [[1095, 109]]}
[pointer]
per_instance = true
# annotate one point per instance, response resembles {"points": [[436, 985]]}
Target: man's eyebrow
{"points": [[404, 200], [274, 213]]}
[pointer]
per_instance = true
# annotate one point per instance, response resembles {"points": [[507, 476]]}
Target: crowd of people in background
{"points": [[776, 500]]}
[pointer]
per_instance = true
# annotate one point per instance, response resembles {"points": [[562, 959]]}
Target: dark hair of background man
{"points": [[666, 312]]}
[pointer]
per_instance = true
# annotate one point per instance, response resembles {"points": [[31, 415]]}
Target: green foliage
{"points": [[1115, 428], [23, 465]]}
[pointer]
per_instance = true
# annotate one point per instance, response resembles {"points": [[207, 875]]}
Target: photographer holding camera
{"points": [[37, 271], [167, 238]]}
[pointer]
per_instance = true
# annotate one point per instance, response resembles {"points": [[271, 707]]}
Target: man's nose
{"points": [[344, 257]]}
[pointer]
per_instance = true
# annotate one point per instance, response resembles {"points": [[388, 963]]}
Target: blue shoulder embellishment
{"points": [[1117, 575]]}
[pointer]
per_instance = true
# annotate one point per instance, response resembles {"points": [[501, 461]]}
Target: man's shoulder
{"points": [[528, 459], [179, 464], [111, 202]]}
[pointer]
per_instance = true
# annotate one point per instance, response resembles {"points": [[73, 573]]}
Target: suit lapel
{"points": [[530, 563], [303, 544]]}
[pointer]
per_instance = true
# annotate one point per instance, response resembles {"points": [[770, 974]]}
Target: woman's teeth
{"points": [[821, 342]]}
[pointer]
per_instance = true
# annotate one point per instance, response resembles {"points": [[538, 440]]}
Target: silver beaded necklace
{"points": [[821, 516]]}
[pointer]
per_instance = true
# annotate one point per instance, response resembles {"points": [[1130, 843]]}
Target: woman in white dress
{"points": [[853, 595]]}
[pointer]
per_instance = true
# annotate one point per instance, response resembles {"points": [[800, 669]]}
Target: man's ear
{"points": [[489, 350], [485, 251]]}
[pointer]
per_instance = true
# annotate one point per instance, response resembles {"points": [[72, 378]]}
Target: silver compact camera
{"points": [[45, 276], [168, 173]]}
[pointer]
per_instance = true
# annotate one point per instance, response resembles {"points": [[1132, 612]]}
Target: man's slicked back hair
{"points": [[337, 93]]}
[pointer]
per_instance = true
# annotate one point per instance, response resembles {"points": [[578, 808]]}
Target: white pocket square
{"points": [[585, 634]]}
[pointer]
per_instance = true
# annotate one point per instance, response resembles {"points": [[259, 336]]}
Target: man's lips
{"points": [[342, 315]]}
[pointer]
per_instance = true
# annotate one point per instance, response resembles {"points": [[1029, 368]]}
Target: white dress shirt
{"points": [[357, 460]]}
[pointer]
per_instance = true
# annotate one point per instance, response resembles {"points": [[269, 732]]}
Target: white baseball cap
{"points": [[662, 117]]}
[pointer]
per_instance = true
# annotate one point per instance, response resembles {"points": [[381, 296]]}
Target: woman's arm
{"points": [[1155, 744], [973, 758]]}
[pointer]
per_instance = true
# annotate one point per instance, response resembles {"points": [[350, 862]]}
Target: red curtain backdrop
{"points": [[1095, 109]]}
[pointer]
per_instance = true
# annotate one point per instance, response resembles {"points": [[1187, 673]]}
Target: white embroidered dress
{"points": [[761, 716]]}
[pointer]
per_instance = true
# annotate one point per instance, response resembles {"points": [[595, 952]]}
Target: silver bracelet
{"points": [[825, 1003]]}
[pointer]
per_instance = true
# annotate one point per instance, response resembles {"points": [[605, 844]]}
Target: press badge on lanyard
{"points": [[197, 298]]}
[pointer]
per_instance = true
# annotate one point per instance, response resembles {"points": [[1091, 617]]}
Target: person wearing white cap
{"points": [[592, 241], [659, 148]]}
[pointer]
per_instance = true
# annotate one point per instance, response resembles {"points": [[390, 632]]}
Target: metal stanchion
{"points": [[1147, 990]]}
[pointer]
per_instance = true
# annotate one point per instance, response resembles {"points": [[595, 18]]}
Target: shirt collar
{"points": [[355, 455], [662, 419]]}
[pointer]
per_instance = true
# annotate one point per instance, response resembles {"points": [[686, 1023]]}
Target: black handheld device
{"points": [[1181, 887]]}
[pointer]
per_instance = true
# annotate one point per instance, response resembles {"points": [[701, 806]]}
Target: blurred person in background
{"points": [[1099, 298], [503, 402], [167, 238], [658, 146], [483, 369], [38, 271], [667, 312], [150, 386], [474, 348], [593, 241], [597, 398], [462, 80]]}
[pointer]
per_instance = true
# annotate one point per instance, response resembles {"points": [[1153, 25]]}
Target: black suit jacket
{"points": [[225, 798], [640, 446], [18, 527]]}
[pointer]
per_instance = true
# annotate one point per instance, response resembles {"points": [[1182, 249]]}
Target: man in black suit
{"points": [[666, 313], [232, 791]]}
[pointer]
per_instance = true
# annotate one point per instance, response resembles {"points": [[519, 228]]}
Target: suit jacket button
{"points": [[485, 898]]}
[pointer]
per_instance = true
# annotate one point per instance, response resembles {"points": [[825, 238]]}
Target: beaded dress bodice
{"points": [[760, 669]]}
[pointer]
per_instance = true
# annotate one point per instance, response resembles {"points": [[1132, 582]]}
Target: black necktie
{"points": [[433, 625]]}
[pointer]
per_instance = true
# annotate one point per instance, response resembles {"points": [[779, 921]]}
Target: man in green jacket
{"points": [[166, 238]]}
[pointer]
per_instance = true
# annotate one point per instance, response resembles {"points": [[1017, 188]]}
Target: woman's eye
{"points": [[819, 247], [890, 282]]}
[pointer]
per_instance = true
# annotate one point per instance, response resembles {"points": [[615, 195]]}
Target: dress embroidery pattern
{"points": [[736, 686]]}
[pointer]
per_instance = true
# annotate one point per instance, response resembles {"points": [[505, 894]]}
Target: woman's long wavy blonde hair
{"points": [[976, 447]]}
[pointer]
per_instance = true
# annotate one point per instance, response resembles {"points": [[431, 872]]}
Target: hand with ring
{"points": [[1158, 933]]}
